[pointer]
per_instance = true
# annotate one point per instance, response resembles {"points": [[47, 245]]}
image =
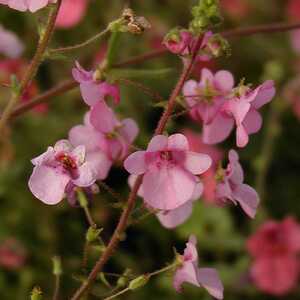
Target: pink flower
{"points": [[10, 45], [12, 254], [191, 273], [71, 13], [179, 42], [103, 131], [92, 90], [175, 217], [275, 247], [215, 103], [169, 169], [23, 5], [231, 187], [57, 167]]}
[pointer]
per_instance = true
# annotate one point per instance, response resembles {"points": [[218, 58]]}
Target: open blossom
{"points": [[10, 45], [57, 167], [102, 131], [93, 90], [190, 272], [175, 217], [23, 5], [71, 13], [220, 108], [169, 169], [230, 186], [275, 248]]}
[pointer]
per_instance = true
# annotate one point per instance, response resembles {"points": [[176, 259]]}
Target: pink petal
{"points": [[242, 137], [247, 198], [129, 130], [90, 92], [135, 163], [47, 184], [197, 163], [99, 164], [178, 142], [265, 94], [187, 273], [168, 188], [253, 121], [103, 118], [79, 154], [63, 146], [210, 280], [206, 76], [107, 89], [176, 217], [158, 143], [35, 5], [224, 80], [50, 153], [190, 89], [218, 130]]}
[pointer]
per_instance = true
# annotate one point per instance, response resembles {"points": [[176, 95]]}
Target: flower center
{"points": [[166, 156], [67, 161]]}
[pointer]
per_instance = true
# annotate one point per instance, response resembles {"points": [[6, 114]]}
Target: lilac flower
{"points": [[56, 168], [169, 170], [231, 187], [92, 90], [191, 273], [23, 5], [10, 45]]}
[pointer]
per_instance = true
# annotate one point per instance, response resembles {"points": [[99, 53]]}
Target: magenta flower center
{"points": [[67, 161]]}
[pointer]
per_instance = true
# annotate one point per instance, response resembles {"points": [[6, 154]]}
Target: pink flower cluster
{"points": [[219, 107], [23, 5], [275, 248]]}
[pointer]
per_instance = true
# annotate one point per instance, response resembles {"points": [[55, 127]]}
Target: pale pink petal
{"points": [[168, 188], [129, 130], [63, 146], [190, 89], [20, 5], [50, 153], [252, 121], [112, 90], [176, 217], [91, 92], [218, 130], [34, 5], [47, 184], [86, 175], [265, 94], [242, 137], [224, 80], [135, 163], [187, 273], [178, 142], [158, 143], [10, 45], [206, 76], [103, 118], [247, 198], [210, 280], [99, 164], [197, 163]]}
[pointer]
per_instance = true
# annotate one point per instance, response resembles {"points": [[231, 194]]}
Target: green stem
{"points": [[112, 48]]}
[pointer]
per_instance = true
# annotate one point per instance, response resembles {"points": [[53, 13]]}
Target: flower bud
{"points": [[93, 234], [36, 293], [138, 282]]}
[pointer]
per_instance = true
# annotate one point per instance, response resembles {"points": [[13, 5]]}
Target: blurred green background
{"points": [[45, 231]]}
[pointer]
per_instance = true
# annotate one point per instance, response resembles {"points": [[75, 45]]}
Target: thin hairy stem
{"points": [[33, 67]]}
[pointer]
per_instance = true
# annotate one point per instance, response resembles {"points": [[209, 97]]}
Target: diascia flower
{"points": [[169, 169], [275, 248], [93, 90], [103, 132], [220, 108], [230, 186], [10, 45], [23, 5], [59, 166], [190, 272], [71, 13]]}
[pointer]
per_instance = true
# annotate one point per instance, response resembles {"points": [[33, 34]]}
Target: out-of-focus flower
{"points": [[10, 45], [275, 248], [23, 5], [190, 272], [219, 107], [71, 13], [230, 186], [18, 67], [291, 93], [60, 165], [93, 90], [12, 254], [169, 169], [236, 9], [209, 177]]}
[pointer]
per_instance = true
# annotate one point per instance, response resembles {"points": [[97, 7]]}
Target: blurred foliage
{"points": [[48, 231]]}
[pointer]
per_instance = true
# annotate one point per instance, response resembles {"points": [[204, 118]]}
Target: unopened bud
{"points": [[36, 293], [138, 282]]}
